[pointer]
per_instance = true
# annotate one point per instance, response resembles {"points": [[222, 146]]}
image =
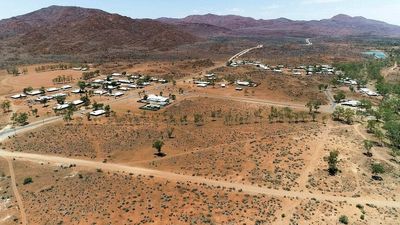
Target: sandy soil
{"points": [[14, 84]]}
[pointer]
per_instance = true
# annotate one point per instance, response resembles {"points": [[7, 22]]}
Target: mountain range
{"points": [[338, 26], [66, 30], [60, 30]]}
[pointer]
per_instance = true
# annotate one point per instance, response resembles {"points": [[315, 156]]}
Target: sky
{"points": [[385, 10]]}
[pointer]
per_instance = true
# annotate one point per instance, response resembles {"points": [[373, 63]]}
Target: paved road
{"points": [[250, 189], [244, 52]]}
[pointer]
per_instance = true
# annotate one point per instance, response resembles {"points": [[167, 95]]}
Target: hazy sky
{"points": [[386, 10]]}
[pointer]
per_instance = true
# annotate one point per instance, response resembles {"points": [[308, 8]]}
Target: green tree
{"points": [[338, 113], [377, 168], [158, 144], [349, 116], [332, 162], [198, 119], [5, 105], [371, 126], [339, 96], [368, 146], [393, 133], [20, 118], [317, 105], [170, 132], [365, 104], [82, 85], [314, 116], [107, 108], [27, 90], [27, 180], [380, 136], [68, 116], [86, 100], [60, 99], [35, 112], [344, 219], [97, 106], [310, 106]]}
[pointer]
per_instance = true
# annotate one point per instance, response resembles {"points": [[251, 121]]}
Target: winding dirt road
{"points": [[250, 189]]}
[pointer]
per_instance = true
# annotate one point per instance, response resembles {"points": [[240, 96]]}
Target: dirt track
{"points": [[199, 180], [16, 193], [376, 154]]}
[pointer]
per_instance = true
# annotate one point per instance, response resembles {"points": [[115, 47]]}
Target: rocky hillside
{"points": [[73, 30], [339, 26]]}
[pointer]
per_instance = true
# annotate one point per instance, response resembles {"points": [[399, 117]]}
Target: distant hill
{"points": [[74, 30], [338, 26], [59, 33]]}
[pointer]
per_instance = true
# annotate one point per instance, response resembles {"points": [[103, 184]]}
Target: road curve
{"points": [[250, 189], [244, 52]]}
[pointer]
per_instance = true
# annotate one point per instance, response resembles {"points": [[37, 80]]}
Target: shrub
{"points": [[27, 180], [344, 219]]}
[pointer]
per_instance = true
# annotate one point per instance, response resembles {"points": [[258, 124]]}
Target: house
{"points": [[123, 89], [368, 92], [61, 106], [238, 89], [350, 82], [352, 103], [210, 76], [65, 87], [116, 74], [44, 98], [17, 96], [296, 73], [125, 81], [52, 89], [100, 92], [243, 83], [156, 98], [163, 81], [98, 81], [135, 77], [201, 82], [234, 64], [59, 95], [76, 91], [77, 102], [202, 85], [152, 107], [77, 68], [223, 85], [117, 94], [35, 92], [132, 86], [277, 70], [110, 87], [98, 112], [146, 83]]}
